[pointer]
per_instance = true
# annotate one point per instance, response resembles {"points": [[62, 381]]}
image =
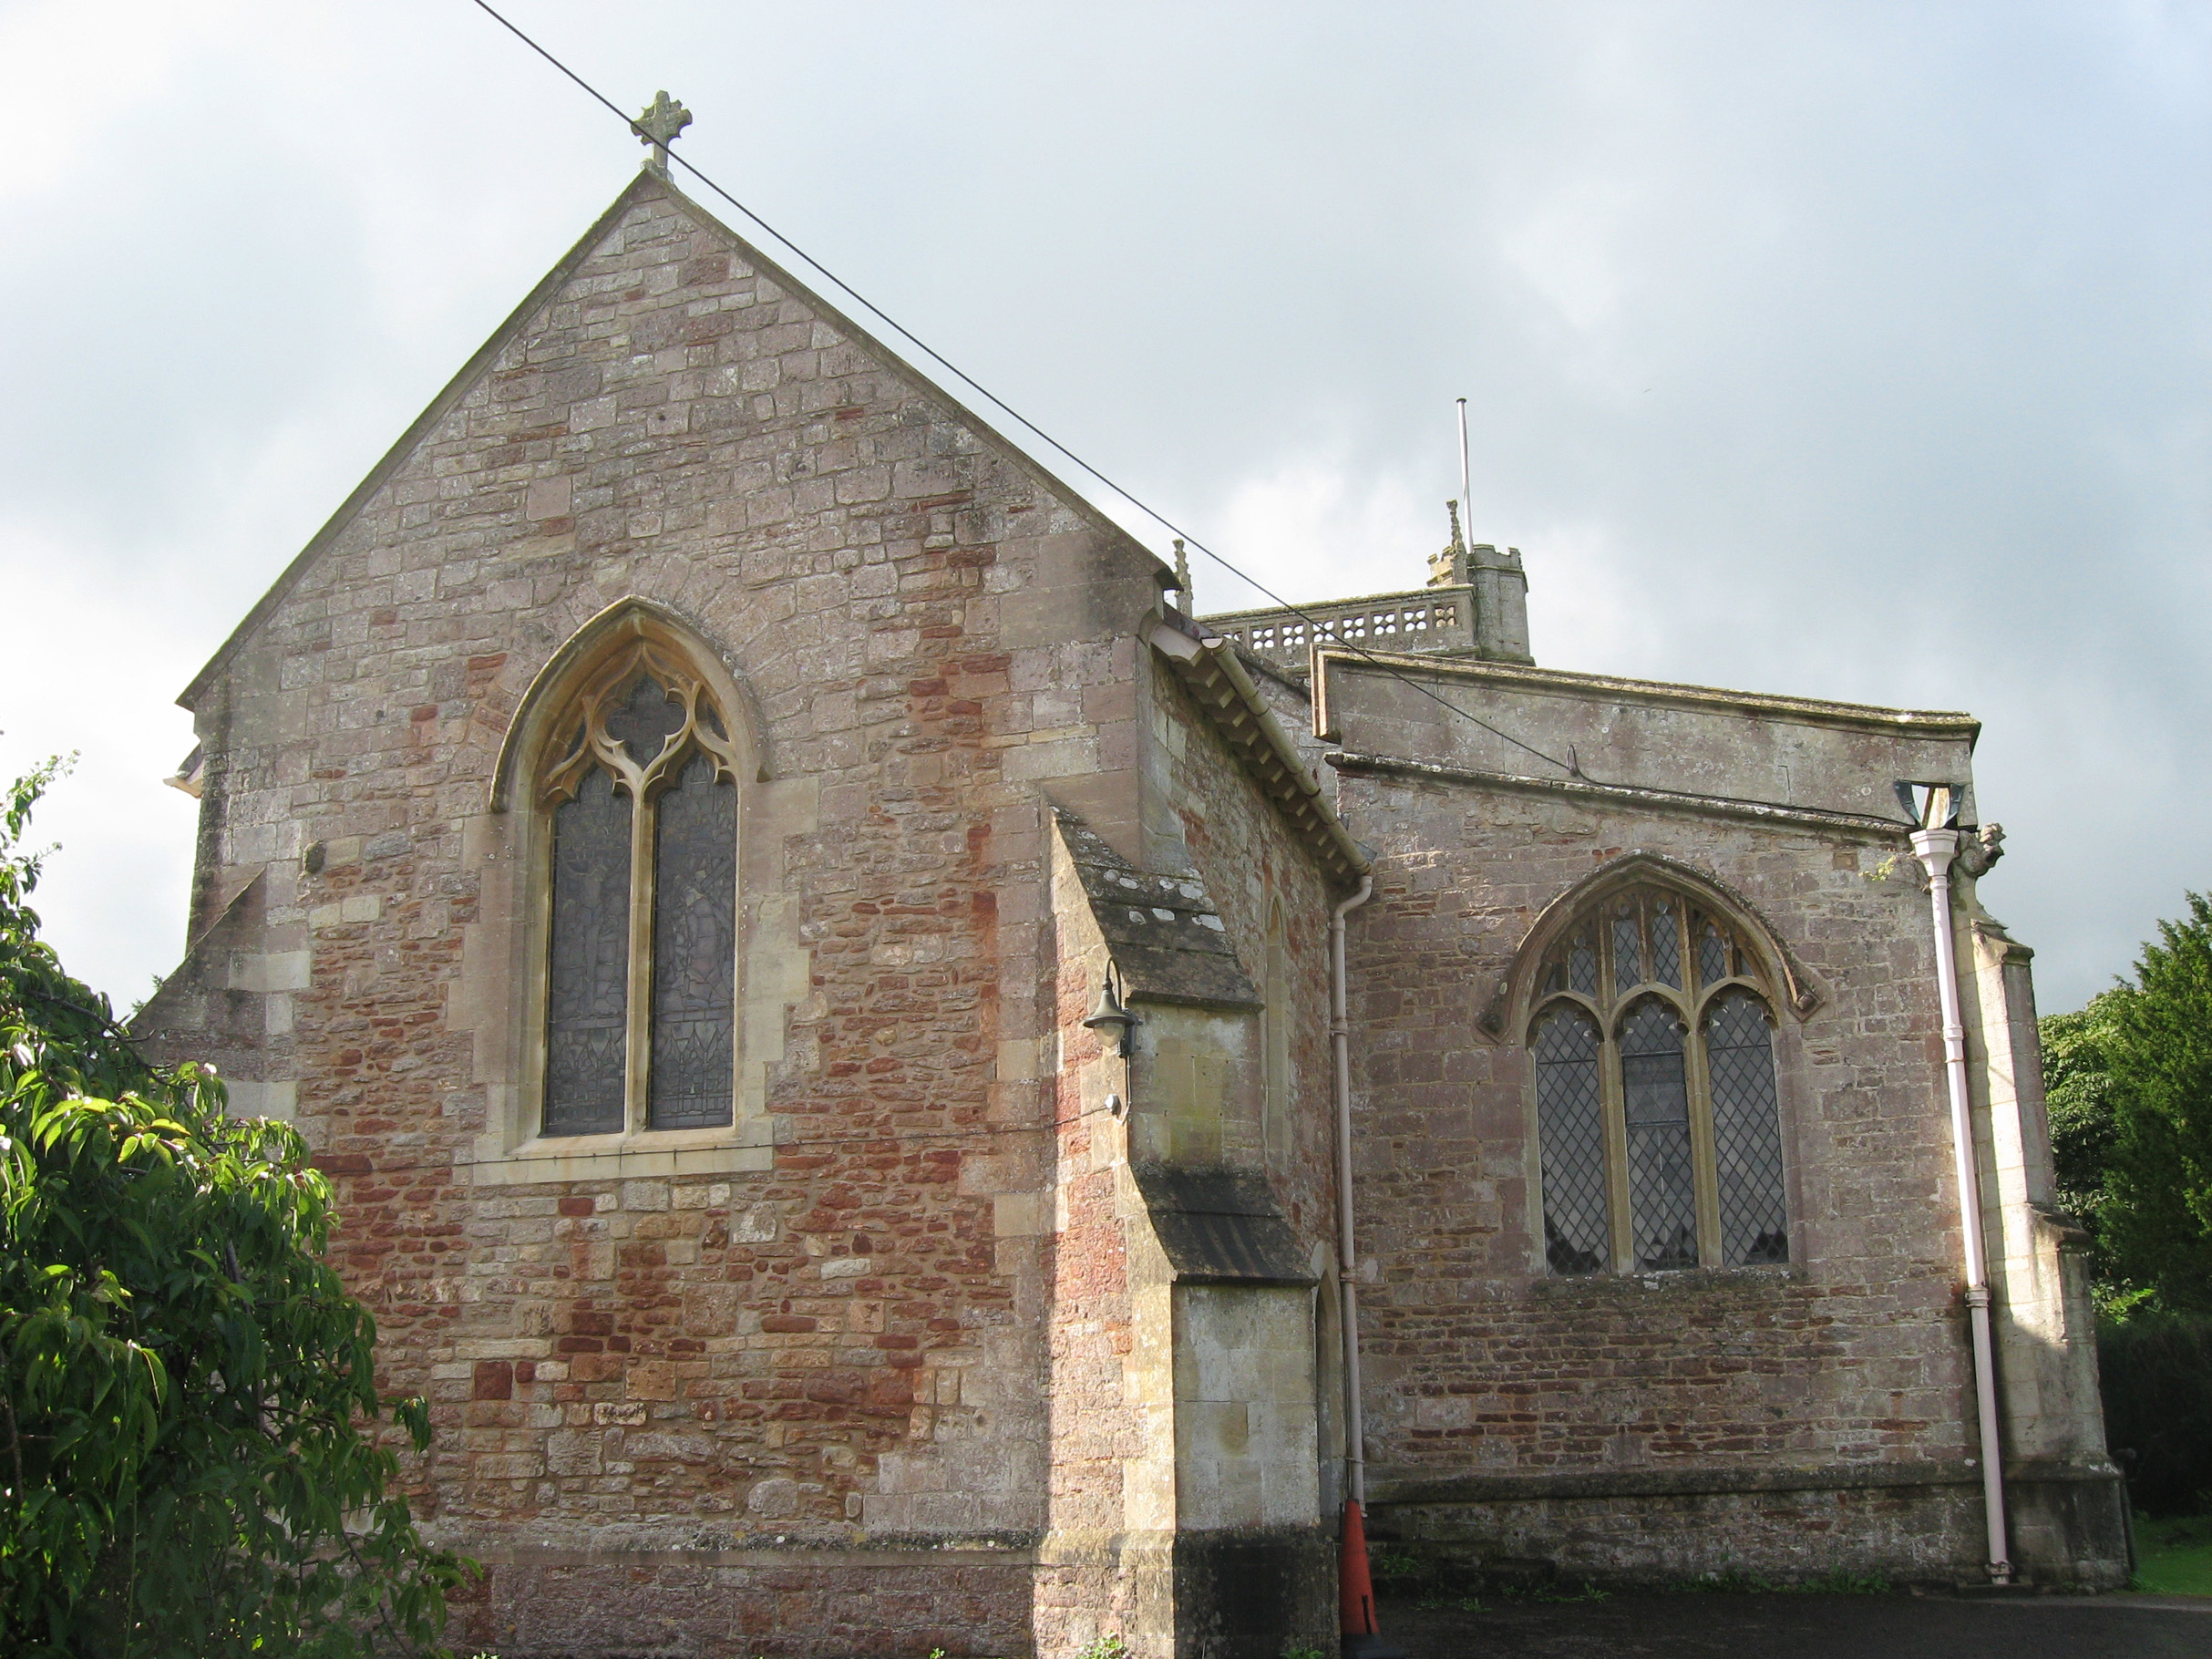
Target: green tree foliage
{"points": [[2157, 1215], [2077, 1084], [2155, 1369], [2129, 1081], [191, 1447]]}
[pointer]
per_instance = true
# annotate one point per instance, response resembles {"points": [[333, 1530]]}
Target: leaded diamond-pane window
{"points": [[1582, 966], [1655, 1107], [1666, 946], [1746, 1132], [1571, 1115], [1628, 953], [1712, 953], [641, 961], [1658, 1121]]}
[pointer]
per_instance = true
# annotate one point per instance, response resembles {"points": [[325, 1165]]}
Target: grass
{"points": [[2174, 1556]]}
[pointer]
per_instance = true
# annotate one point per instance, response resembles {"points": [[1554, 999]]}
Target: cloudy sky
{"points": [[1848, 349]]}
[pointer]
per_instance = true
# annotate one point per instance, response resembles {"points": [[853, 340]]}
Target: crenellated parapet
{"points": [[1476, 605]]}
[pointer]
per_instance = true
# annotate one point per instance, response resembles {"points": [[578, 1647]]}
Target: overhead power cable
{"points": [[1319, 629]]}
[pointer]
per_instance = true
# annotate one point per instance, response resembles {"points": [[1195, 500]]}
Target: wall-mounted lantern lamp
{"points": [[1111, 1017]]}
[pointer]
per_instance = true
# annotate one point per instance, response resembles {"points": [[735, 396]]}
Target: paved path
{"points": [[1811, 1627]]}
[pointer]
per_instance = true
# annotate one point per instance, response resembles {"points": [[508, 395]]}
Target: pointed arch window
{"points": [[641, 936], [1650, 1038]]}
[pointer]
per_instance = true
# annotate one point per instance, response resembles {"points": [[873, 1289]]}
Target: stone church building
{"points": [[811, 973]]}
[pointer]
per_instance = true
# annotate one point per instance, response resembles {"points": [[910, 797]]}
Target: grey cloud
{"points": [[1855, 350]]}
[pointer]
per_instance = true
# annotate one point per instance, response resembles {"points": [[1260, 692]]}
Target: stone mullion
{"points": [[638, 1014], [1614, 1103], [1705, 1158], [539, 986]]}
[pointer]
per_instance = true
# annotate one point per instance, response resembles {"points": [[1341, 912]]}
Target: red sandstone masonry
{"points": [[842, 1341], [1483, 1366]]}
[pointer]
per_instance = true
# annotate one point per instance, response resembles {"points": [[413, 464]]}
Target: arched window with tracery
{"points": [[1650, 1038], [640, 797]]}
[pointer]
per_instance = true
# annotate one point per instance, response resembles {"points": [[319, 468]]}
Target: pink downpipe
{"points": [[1935, 848]]}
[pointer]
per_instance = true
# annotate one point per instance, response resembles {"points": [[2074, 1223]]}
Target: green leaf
{"points": [[187, 1384]]}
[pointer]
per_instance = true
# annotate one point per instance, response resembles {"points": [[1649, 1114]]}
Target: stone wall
{"points": [[746, 1601], [824, 1329], [2060, 1479], [1797, 753], [1256, 1485], [1853, 1348], [1111, 1504], [1183, 1387], [1507, 1408], [1218, 820], [1646, 1533]]}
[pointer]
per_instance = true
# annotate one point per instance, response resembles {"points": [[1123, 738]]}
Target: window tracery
{"points": [[1657, 1120], [641, 926]]}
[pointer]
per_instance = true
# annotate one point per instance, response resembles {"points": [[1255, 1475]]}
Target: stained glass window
{"points": [[695, 951], [642, 939], [1571, 1128], [587, 981], [646, 720], [1694, 1056]]}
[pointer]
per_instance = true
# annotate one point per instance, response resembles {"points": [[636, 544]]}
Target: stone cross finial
{"points": [[657, 124], [1449, 568]]}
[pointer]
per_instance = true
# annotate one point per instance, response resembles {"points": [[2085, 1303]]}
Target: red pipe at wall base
{"points": [[1361, 1637]]}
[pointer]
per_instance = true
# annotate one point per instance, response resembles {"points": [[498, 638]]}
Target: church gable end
{"points": [[783, 1308], [662, 327]]}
